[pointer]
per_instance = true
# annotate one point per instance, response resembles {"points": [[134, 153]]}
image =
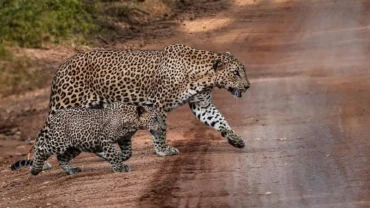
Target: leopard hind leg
{"points": [[66, 157], [38, 161], [114, 158]]}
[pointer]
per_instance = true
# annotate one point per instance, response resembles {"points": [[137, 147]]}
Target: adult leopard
{"points": [[166, 78]]}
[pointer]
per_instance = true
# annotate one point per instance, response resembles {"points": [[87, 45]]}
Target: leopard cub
{"points": [[71, 131]]}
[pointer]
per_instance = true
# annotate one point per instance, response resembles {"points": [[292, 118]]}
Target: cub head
{"points": [[151, 119], [230, 74]]}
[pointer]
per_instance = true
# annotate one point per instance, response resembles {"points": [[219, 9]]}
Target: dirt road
{"points": [[305, 119]]}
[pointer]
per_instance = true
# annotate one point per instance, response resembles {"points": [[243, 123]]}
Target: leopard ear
{"points": [[228, 53], [217, 63], [140, 110]]}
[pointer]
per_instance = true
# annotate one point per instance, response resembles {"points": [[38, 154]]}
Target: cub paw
{"points": [[47, 166], [121, 168], [126, 168], [74, 170], [35, 172], [234, 139], [168, 151], [101, 154]]}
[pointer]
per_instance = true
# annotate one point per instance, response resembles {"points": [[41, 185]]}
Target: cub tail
{"points": [[21, 163]]}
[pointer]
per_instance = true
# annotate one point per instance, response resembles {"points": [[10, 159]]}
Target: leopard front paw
{"points": [[167, 151], [234, 139]]}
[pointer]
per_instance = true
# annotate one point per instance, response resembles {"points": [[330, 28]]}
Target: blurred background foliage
{"points": [[30, 23], [41, 23], [25, 23]]}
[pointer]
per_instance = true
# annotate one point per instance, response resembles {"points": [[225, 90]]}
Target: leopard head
{"points": [[151, 119], [230, 74]]}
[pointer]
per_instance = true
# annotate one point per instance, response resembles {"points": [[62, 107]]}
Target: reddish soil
{"points": [[305, 119]]}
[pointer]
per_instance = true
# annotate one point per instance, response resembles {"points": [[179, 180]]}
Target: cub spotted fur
{"points": [[72, 131]]}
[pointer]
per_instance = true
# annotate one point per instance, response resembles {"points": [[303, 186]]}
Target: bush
{"points": [[31, 23]]}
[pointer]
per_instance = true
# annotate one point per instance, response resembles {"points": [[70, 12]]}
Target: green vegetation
{"points": [[39, 23], [31, 23], [25, 23]]}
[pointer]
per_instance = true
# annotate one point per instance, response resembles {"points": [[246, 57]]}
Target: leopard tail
{"points": [[21, 163]]}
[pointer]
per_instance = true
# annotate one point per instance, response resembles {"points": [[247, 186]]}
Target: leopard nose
{"points": [[247, 86]]}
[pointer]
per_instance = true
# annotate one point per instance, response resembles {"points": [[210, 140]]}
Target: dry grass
{"points": [[119, 20], [20, 75]]}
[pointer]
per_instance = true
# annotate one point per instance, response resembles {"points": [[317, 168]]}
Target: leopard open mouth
{"points": [[235, 91]]}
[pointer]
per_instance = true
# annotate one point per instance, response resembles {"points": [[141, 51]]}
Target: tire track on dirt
{"points": [[164, 186]]}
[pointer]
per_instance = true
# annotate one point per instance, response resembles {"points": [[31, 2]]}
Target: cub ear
{"points": [[217, 63], [140, 110], [228, 53]]}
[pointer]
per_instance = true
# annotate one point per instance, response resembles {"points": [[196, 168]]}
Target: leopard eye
{"points": [[236, 73]]}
